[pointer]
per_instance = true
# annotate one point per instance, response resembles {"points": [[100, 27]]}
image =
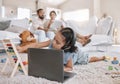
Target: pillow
{"points": [[90, 26], [86, 29], [16, 29], [24, 23], [4, 24], [104, 25], [101, 40]]}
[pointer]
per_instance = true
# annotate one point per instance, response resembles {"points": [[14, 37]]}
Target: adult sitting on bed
{"points": [[52, 24], [55, 25], [39, 28]]}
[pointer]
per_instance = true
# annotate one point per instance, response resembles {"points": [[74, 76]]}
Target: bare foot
{"points": [[103, 58], [87, 37], [86, 42]]}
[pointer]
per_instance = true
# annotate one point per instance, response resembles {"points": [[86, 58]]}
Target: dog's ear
{"points": [[20, 35], [31, 34]]}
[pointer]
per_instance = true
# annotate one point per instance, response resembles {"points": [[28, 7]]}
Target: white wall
{"points": [[20, 3], [44, 5], [72, 5], [12, 5], [0, 2], [111, 7], [97, 8], [0, 8]]}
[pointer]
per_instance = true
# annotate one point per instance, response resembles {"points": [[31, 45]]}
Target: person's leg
{"points": [[50, 34], [80, 41], [83, 42], [41, 35], [95, 59], [83, 37]]}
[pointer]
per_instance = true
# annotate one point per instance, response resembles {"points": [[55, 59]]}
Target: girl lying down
{"points": [[65, 39]]}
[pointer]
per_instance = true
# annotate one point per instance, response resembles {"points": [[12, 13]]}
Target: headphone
{"points": [[71, 41]]}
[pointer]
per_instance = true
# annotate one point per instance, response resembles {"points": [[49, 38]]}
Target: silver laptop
{"points": [[47, 63]]}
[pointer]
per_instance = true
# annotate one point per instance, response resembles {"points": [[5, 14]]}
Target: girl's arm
{"points": [[33, 45], [69, 65]]}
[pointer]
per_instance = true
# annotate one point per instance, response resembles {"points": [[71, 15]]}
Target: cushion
{"points": [[85, 29], [24, 23], [4, 24], [101, 40], [104, 25], [16, 29]]}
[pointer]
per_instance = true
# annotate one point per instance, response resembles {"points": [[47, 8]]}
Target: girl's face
{"points": [[52, 15], [59, 41]]}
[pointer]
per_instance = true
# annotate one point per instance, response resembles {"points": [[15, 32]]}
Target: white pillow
{"points": [[101, 40], [16, 29], [86, 29], [104, 25], [91, 25], [24, 23]]}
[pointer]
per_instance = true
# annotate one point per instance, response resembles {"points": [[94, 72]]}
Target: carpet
{"points": [[92, 73]]}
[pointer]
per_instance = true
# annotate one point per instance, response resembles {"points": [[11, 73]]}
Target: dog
{"points": [[27, 38]]}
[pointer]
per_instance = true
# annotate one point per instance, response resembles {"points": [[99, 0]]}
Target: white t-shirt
{"points": [[54, 26], [37, 22]]}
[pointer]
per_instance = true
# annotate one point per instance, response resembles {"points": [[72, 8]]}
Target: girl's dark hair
{"points": [[53, 12], [70, 40]]}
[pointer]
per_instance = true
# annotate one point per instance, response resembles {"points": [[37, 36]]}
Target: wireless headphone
{"points": [[71, 41]]}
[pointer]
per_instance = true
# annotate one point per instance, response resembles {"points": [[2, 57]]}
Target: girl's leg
{"points": [[83, 42], [84, 37], [95, 59]]}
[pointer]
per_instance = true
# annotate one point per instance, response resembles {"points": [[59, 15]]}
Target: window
{"points": [[58, 12], [78, 15], [3, 12], [23, 13]]}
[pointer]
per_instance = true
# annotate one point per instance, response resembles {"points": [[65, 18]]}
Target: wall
{"points": [[0, 8], [111, 7], [0, 2], [12, 5], [44, 5], [77, 4], [20, 3], [97, 8]]}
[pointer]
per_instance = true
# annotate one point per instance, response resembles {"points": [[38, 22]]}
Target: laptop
{"points": [[47, 63]]}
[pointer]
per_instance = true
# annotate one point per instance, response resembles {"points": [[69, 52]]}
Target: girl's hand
{"points": [[69, 66], [67, 69]]}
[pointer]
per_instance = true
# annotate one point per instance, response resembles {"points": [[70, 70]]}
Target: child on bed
{"points": [[64, 39]]}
